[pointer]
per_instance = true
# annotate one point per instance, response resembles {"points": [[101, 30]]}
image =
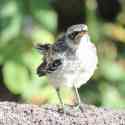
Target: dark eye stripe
{"points": [[72, 35]]}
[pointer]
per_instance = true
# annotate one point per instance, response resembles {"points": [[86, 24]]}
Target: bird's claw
{"points": [[79, 107], [61, 109]]}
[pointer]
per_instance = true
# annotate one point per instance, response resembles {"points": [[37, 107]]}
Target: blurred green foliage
{"points": [[25, 23]]}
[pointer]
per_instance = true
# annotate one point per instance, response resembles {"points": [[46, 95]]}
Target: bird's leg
{"points": [[77, 95], [63, 109], [60, 99], [78, 98]]}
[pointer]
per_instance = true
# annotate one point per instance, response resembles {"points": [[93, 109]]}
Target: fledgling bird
{"points": [[70, 61]]}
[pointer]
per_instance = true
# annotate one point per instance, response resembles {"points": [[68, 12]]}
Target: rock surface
{"points": [[27, 114]]}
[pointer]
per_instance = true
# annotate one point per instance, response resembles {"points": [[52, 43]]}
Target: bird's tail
{"points": [[43, 48]]}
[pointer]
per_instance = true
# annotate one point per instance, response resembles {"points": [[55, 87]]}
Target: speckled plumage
{"points": [[77, 66], [75, 63]]}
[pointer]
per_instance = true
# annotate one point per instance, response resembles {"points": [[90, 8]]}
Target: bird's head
{"points": [[75, 33]]}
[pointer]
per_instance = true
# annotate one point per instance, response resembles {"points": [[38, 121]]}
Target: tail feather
{"points": [[43, 48]]}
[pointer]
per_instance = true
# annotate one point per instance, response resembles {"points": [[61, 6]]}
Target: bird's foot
{"points": [[66, 110], [61, 109], [79, 106]]}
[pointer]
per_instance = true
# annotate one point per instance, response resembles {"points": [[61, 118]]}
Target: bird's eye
{"points": [[72, 35]]}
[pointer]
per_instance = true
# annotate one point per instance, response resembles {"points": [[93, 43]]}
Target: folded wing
{"points": [[46, 67]]}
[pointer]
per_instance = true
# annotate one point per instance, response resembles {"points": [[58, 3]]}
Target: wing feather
{"points": [[60, 45], [45, 67], [43, 48], [50, 63]]}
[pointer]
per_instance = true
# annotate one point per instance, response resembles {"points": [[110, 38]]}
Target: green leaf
{"points": [[112, 71], [15, 77], [10, 19], [48, 19], [112, 98]]}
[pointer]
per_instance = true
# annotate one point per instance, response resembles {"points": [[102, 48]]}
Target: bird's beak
{"points": [[81, 34]]}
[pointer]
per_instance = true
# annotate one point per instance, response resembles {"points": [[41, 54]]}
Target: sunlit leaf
{"points": [[10, 21], [42, 36], [112, 71], [111, 98], [16, 77], [48, 19]]}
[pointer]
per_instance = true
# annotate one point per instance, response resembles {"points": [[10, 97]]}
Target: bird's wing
{"points": [[50, 63], [42, 69], [60, 45], [47, 67], [43, 48], [53, 66]]}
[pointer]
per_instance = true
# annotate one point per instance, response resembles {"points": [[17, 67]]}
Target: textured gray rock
{"points": [[26, 114]]}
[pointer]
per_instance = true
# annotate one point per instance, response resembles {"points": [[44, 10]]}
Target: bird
{"points": [[70, 61]]}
